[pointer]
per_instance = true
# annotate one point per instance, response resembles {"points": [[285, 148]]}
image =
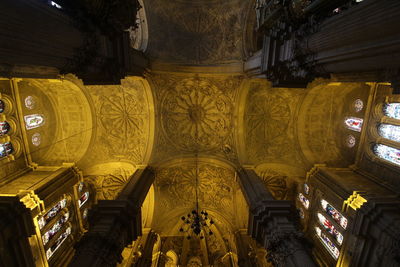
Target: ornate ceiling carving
{"points": [[195, 32], [109, 178], [177, 187], [123, 120], [275, 182], [269, 124], [196, 114]]}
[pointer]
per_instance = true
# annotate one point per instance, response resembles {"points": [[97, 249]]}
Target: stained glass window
{"points": [[388, 153], [350, 141], [30, 102], [58, 243], [80, 187], [330, 228], [327, 243], [390, 131], [358, 105], [4, 127], [36, 139], [331, 211], [55, 228], [354, 123], [42, 221], [83, 199], [306, 189], [33, 121], [6, 149], [85, 213], [301, 213], [304, 200], [392, 110], [2, 106]]}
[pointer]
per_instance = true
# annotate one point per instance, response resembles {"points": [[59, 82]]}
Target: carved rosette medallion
{"points": [[196, 115]]}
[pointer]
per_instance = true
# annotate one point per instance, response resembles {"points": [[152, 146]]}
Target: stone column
{"points": [[271, 223], [113, 224]]}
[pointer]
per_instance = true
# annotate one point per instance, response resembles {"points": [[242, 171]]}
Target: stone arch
{"points": [[67, 131], [321, 131]]}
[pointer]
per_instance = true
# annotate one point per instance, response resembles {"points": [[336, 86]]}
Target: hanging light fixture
{"points": [[196, 222]]}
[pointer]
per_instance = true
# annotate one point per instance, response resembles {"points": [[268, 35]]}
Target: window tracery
{"points": [[392, 110], [353, 123], [389, 131], [306, 189], [33, 121], [2, 106], [304, 200], [388, 153], [358, 105], [42, 221], [55, 228], [329, 245], [350, 141], [6, 149], [4, 128], [36, 139], [30, 102], [84, 197], [330, 228], [57, 244], [334, 214]]}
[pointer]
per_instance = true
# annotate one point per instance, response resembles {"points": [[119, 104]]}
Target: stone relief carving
{"points": [[268, 121], [196, 114], [123, 121], [275, 182], [195, 32], [109, 186], [177, 187]]}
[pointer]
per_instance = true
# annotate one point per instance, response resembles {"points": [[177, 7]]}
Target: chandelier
{"points": [[196, 223]]}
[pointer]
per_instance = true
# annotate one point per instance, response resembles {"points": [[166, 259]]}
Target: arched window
{"points": [[335, 215], [306, 189], [57, 244], [33, 121], [83, 199], [389, 131], [392, 110], [354, 123], [304, 200], [6, 149], [333, 250], [55, 228], [2, 106], [4, 127], [388, 153], [42, 221], [330, 228]]}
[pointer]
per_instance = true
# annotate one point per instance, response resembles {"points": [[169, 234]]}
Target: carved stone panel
{"points": [[195, 32]]}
